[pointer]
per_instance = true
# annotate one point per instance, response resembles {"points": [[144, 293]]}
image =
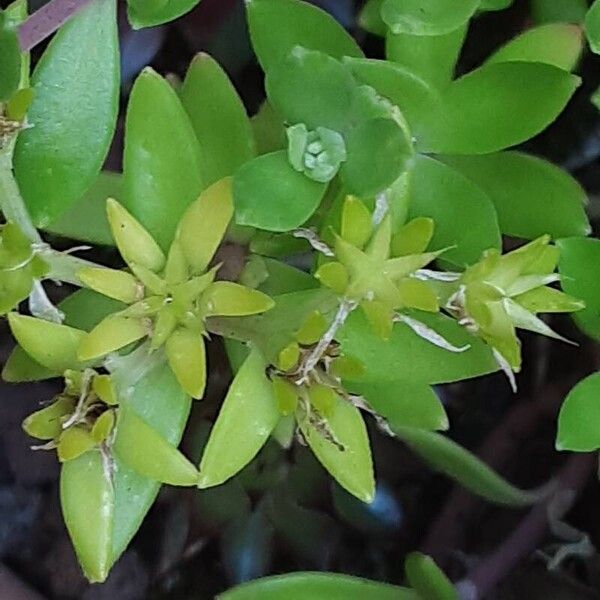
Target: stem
{"points": [[64, 267], [11, 202], [44, 22]]}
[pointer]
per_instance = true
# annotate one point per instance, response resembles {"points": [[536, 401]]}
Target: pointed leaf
{"points": [[228, 299], [10, 66], [52, 345], [427, 578], [148, 453], [444, 455], [270, 195], [112, 334], [558, 44], [305, 25], [496, 106], [218, 117], [87, 499], [73, 113], [46, 424], [547, 11], [112, 283], [160, 179], [204, 224], [532, 196], [579, 266], [592, 26], [248, 415]]}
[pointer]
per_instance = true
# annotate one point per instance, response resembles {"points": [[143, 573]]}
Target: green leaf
{"points": [[444, 455], [313, 88], [277, 26], [579, 267], [167, 11], [218, 117], [247, 417], [579, 418], [370, 19], [270, 195], [20, 367], [52, 345], [443, 194], [352, 466], [495, 4], [431, 57], [88, 503], [317, 586], [415, 97], [283, 279], [85, 309], [378, 153], [496, 106], [158, 399], [73, 113], [404, 403], [427, 578], [148, 453], [427, 17], [86, 219], [269, 130], [592, 27], [532, 196], [408, 357], [10, 65], [550, 11], [160, 179], [558, 44]]}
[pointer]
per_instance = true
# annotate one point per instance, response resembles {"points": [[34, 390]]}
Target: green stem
{"points": [[64, 267], [11, 202]]}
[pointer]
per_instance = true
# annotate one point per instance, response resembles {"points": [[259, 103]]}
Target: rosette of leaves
{"points": [[335, 126], [170, 297], [20, 267], [502, 293]]}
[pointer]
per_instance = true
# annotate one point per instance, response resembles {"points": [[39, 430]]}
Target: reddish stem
{"points": [[45, 21]]}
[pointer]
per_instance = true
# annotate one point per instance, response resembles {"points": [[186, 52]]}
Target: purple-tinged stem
{"points": [[45, 21]]}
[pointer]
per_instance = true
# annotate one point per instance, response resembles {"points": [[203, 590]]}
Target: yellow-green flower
{"points": [[79, 419], [376, 270], [502, 293], [170, 297]]}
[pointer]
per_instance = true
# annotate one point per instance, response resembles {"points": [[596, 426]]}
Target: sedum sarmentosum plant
{"points": [[390, 181]]}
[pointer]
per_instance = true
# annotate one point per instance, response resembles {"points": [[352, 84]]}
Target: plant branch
{"points": [[45, 21], [526, 537]]}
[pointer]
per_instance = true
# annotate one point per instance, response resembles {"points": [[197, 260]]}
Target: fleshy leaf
{"points": [[148, 453], [218, 117], [10, 66], [305, 25], [579, 418], [187, 358], [204, 224], [119, 285], [378, 153], [351, 464], [73, 113], [113, 333], [579, 265], [431, 57], [427, 578], [557, 44], [427, 17], [228, 299], [160, 179], [52, 345], [312, 88], [444, 195], [408, 357], [248, 415], [532, 196], [592, 26], [548, 11], [496, 106], [270, 195], [444, 455], [87, 499], [163, 13], [316, 586]]}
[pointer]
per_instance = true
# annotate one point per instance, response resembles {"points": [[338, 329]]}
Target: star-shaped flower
{"points": [[170, 297]]}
